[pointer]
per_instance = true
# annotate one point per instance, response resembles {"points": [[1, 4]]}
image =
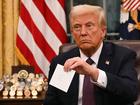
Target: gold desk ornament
{"points": [[12, 93], [34, 93], [27, 93], [5, 93], [19, 93], [23, 74]]}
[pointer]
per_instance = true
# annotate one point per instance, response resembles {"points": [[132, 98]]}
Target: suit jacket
{"points": [[118, 64]]}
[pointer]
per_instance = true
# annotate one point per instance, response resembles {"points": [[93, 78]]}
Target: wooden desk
{"points": [[22, 100]]}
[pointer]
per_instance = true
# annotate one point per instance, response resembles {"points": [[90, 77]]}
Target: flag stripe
{"points": [[128, 3], [29, 55], [55, 12], [41, 31], [41, 24], [134, 5], [46, 49], [131, 5], [43, 27], [52, 21], [62, 3], [33, 48]]}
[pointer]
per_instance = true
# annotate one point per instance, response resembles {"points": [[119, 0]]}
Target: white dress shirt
{"points": [[102, 78]]}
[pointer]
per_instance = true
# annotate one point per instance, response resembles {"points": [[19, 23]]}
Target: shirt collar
{"points": [[94, 57]]}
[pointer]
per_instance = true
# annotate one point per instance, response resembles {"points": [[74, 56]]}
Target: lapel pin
{"points": [[107, 62]]}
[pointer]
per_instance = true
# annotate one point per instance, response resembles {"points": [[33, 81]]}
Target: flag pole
{"points": [[104, 6], [71, 3]]}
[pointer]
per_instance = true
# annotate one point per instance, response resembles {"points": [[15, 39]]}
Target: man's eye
{"points": [[89, 25], [76, 27]]}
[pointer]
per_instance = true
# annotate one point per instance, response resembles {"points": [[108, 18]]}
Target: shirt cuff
{"points": [[102, 79]]}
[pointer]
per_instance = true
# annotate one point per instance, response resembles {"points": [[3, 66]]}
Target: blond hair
{"points": [[85, 8]]}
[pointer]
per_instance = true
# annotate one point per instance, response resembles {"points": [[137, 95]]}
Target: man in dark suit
{"points": [[112, 74]]}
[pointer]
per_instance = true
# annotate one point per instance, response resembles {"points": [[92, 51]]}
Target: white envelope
{"points": [[61, 79]]}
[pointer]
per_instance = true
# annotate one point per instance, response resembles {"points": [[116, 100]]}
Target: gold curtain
{"points": [[9, 13]]}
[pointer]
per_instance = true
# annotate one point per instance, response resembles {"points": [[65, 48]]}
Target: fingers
{"points": [[80, 66], [72, 63], [75, 65]]}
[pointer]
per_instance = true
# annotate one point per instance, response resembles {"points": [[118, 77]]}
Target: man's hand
{"points": [[81, 67]]}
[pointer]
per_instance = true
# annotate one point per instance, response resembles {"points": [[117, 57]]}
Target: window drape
{"points": [[9, 12]]}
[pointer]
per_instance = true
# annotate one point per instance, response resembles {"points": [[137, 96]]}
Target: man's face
{"points": [[86, 31]]}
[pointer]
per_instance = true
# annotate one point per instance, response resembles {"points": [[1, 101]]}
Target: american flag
{"points": [[41, 30], [131, 5]]}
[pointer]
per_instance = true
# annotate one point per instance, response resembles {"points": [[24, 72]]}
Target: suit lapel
{"points": [[75, 52], [106, 56], [74, 87], [104, 64]]}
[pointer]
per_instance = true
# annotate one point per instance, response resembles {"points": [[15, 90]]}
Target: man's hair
{"points": [[85, 8]]}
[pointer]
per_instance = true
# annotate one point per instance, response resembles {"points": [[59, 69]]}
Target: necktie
{"points": [[88, 92], [90, 61]]}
